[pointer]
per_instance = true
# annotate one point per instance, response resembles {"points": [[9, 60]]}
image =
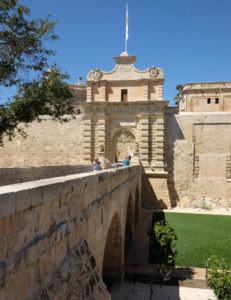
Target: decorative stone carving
{"points": [[125, 136], [101, 148], [154, 72], [95, 75]]}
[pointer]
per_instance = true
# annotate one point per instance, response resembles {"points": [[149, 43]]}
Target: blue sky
{"points": [[189, 40]]}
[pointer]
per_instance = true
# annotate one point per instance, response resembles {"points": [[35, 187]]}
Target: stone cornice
{"points": [[205, 87], [126, 104], [157, 80], [125, 108]]}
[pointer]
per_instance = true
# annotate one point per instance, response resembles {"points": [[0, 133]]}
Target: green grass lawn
{"points": [[199, 237]]}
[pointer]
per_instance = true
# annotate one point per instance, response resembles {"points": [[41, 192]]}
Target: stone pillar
{"points": [[87, 134], [159, 161], [152, 138], [160, 91], [102, 139], [89, 93], [144, 139], [103, 91], [145, 90]]}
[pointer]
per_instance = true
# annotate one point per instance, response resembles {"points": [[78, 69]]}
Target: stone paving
{"points": [[141, 291]]}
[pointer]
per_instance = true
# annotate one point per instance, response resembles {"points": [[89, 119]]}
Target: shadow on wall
{"points": [[112, 262], [149, 198], [173, 133], [129, 228]]}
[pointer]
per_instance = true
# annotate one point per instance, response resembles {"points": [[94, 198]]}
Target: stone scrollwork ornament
{"points": [[95, 75], [154, 72]]}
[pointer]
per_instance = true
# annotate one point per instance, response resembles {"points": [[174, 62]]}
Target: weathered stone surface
{"points": [[16, 175], [197, 147], [37, 240], [74, 278], [49, 143]]}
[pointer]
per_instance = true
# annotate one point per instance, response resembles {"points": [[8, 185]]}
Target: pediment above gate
{"points": [[125, 70]]}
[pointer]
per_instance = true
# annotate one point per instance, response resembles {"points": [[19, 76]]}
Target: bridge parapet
{"points": [[42, 221]]}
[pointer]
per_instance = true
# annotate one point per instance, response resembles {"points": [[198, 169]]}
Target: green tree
{"points": [[162, 243], [219, 278], [22, 50]]}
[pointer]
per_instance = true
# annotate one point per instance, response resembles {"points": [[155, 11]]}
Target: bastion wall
{"points": [[198, 155], [48, 143]]}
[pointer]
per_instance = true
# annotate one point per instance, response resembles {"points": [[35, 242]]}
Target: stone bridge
{"points": [[60, 236]]}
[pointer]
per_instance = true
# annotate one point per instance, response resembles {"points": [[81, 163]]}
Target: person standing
{"points": [[96, 164], [126, 162]]}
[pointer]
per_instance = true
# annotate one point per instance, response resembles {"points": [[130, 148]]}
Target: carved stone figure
{"points": [[154, 72], [95, 75]]}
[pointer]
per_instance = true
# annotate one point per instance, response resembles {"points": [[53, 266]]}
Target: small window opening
{"points": [[78, 112], [208, 100], [124, 95], [217, 100]]}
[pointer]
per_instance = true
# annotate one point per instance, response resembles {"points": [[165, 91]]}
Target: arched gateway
{"points": [[123, 144]]}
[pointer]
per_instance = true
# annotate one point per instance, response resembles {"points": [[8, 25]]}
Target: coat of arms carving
{"points": [[95, 75], [154, 72]]}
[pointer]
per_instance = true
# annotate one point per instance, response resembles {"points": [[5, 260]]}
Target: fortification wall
{"points": [[17, 175], [198, 153], [48, 143], [44, 225]]}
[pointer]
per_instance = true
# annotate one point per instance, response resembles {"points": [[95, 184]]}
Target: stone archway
{"points": [[129, 229], [123, 145], [112, 262]]}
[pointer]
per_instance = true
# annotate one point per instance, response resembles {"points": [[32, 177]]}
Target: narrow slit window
{"points": [[208, 100], [217, 100], [124, 95]]}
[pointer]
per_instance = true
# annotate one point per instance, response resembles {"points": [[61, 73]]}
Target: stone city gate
{"points": [[59, 235], [124, 115]]}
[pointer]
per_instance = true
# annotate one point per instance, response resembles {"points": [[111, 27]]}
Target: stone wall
{"points": [[205, 97], [76, 277], [16, 175], [48, 143], [198, 152], [42, 222]]}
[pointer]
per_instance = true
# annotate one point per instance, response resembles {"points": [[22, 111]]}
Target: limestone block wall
{"points": [[44, 225], [48, 143], [16, 175], [198, 148], [76, 277]]}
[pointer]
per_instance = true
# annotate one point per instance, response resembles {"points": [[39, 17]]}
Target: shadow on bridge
{"points": [[116, 252]]}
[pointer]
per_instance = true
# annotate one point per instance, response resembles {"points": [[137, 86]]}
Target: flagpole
{"points": [[126, 36]]}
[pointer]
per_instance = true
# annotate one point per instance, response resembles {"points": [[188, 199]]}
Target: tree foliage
{"points": [[166, 238], [22, 50], [219, 278], [161, 249]]}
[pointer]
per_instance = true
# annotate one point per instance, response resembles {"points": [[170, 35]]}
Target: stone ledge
{"points": [[17, 197]]}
